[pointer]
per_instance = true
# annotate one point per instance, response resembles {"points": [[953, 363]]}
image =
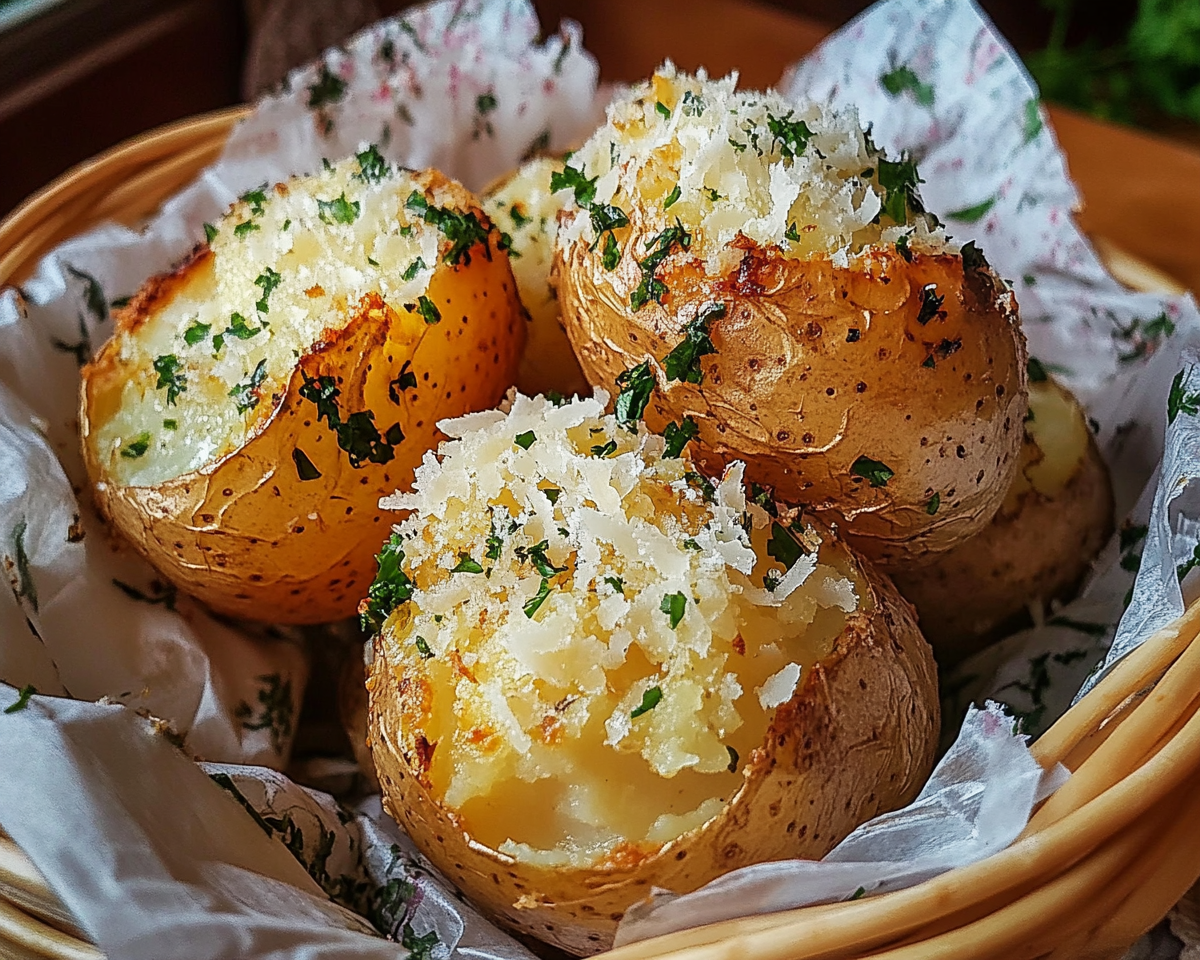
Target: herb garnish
{"points": [[650, 287], [873, 471], [662, 109], [671, 197], [137, 447], [525, 440], [616, 583], [171, 376], [791, 135], [240, 329], [733, 760], [783, 546], [305, 468], [245, 227], [466, 564], [339, 210], [899, 178], [931, 303], [673, 605], [371, 166], [256, 199], [210, 233], [637, 384], [22, 700], [423, 648], [532, 604], [413, 268], [268, 280], [571, 179], [703, 483], [932, 505], [1037, 371], [972, 257], [196, 332], [683, 363], [677, 436], [391, 587], [650, 699], [607, 450], [426, 308], [245, 393], [518, 216], [463, 230]]}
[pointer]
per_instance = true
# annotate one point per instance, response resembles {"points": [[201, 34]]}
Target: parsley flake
{"points": [[210, 233], [533, 603], [390, 588], [525, 440], [605, 450], [170, 376], [874, 472], [650, 287], [245, 227], [422, 646], [783, 546], [637, 384], [305, 468], [683, 363], [677, 436], [672, 197], [791, 135], [240, 329], [372, 167], [931, 303], [413, 268], [268, 280], [22, 700], [467, 565], [616, 583], [662, 109], [427, 309], [339, 210], [247, 393], [650, 699], [899, 179], [196, 332], [932, 505], [571, 179], [137, 447], [673, 605]]}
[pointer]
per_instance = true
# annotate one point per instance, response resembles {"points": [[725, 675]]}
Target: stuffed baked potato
{"points": [[527, 210], [1057, 515], [596, 671], [242, 422], [772, 277]]}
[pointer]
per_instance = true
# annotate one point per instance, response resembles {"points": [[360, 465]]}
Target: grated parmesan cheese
{"points": [[724, 162], [607, 643]]}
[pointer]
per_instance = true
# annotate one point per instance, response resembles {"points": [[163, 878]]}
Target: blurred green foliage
{"points": [[1153, 70]]}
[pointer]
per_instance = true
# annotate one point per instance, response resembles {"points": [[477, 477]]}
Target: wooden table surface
{"points": [[1140, 190]]}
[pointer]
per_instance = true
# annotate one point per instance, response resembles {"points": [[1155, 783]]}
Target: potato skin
{"points": [[1037, 550], [857, 739], [245, 534], [817, 365]]}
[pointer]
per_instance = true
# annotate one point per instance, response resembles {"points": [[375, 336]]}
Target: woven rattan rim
{"points": [[1101, 862]]}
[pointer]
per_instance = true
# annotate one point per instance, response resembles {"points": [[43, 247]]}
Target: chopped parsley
{"points": [[329, 88], [932, 505], [605, 216], [671, 197], [616, 583], [170, 376], [371, 166], [662, 109], [791, 135], [339, 210], [783, 546], [683, 363], [423, 649], [691, 544], [245, 227], [1037, 371], [650, 699], [413, 268], [552, 494], [525, 440], [605, 450], [873, 471], [636, 385], [196, 332], [518, 216], [210, 232], [268, 280], [463, 230], [536, 555], [677, 436], [246, 393], [791, 233], [610, 256], [650, 287], [466, 564], [673, 605], [899, 178], [691, 105], [305, 468], [571, 179], [22, 700], [137, 447], [170, 424], [240, 329], [256, 199], [390, 588], [533, 603], [427, 309], [853, 334], [931, 303], [701, 482]]}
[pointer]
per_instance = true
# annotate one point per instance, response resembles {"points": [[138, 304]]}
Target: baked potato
{"points": [[595, 670], [1057, 515], [524, 207], [773, 276], [253, 404]]}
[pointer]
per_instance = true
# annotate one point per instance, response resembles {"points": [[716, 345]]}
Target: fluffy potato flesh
{"points": [[1055, 518], [524, 206], [597, 660], [778, 273], [252, 405]]}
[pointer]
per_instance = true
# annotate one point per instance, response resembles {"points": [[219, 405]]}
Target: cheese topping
{"points": [[718, 162], [592, 628]]}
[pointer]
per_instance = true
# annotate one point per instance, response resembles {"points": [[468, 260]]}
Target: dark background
{"points": [[86, 74]]}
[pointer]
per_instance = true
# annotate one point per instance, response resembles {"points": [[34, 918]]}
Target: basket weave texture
{"points": [[1100, 863]]}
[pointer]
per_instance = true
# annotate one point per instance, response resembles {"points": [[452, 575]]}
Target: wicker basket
{"points": [[1101, 862]]}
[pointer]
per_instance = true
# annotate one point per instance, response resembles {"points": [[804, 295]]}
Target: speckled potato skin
{"points": [[856, 740], [245, 534], [1038, 552], [817, 365]]}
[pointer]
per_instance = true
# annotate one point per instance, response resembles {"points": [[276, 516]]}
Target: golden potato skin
{"points": [[1036, 550], [857, 739], [245, 534], [817, 365]]}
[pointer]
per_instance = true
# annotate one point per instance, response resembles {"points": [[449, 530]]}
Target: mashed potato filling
{"points": [[287, 265], [595, 637], [720, 162]]}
